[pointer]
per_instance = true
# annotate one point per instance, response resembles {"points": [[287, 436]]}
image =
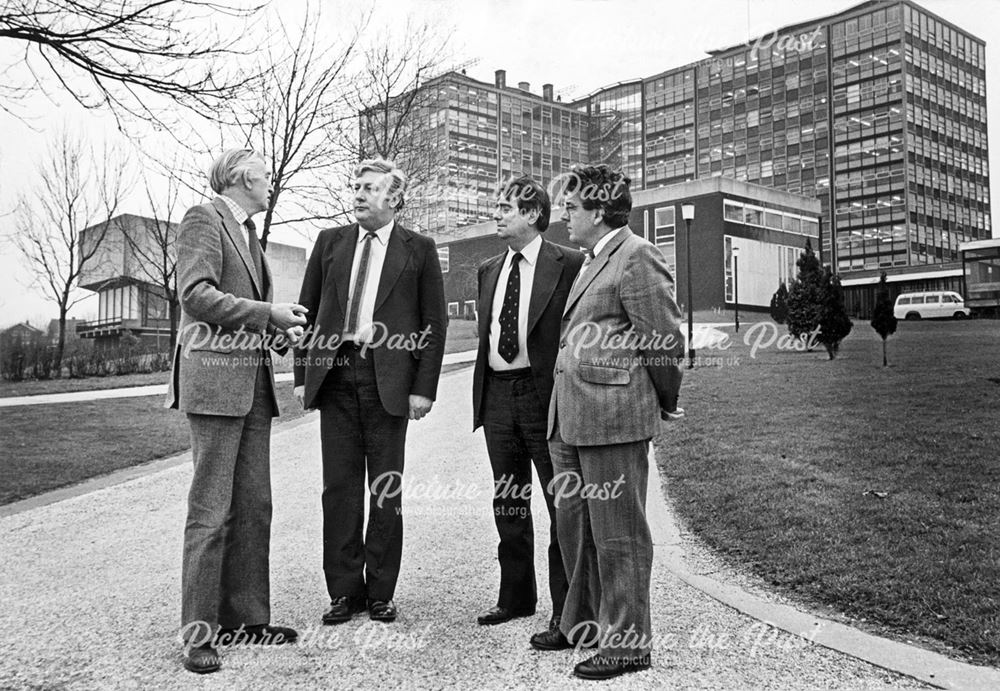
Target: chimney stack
{"points": [[547, 92], [501, 78], [524, 86]]}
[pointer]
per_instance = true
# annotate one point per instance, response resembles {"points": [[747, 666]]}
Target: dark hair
{"points": [[529, 195], [601, 187]]}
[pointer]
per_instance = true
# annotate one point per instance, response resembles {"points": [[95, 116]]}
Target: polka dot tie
{"points": [[510, 311]]}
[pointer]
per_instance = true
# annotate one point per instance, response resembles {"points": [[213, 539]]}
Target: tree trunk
{"points": [[57, 364], [885, 362]]}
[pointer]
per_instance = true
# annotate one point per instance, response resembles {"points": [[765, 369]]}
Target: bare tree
{"points": [[152, 245], [296, 102], [393, 112], [76, 190], [126, 51]]}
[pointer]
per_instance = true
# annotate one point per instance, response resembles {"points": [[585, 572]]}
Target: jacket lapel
{"points": [[490, 278], [595, 268], [341, 260], [548, 269], [397, 253], [235, 233]]}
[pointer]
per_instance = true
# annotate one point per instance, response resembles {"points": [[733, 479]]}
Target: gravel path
{"points": [[89, 589]]}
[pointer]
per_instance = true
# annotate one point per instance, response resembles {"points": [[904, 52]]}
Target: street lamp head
{"points": [[687, 212], [736, 251]]}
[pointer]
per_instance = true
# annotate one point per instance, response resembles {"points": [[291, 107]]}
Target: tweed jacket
{"points": [[618, 367]]}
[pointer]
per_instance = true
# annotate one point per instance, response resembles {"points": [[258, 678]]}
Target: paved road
{"points": [[89, 591]]}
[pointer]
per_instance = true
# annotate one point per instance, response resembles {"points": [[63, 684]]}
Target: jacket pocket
{"points": [[601, 374]]}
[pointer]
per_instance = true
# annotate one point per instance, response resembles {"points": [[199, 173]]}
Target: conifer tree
{"points": [[883, 320], [805, 297], [834, 324], [779, 304]]}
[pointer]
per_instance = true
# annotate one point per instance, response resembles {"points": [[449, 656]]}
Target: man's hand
{"points": [[294, 334], [285, 315], [300, 395], [419, 406]]}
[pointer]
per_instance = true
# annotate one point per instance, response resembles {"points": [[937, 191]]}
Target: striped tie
{"points": [[360, 281]]}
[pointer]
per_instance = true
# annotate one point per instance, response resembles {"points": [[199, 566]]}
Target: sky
{"points": [[579, 46]]}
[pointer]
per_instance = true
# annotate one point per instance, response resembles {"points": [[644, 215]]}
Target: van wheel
{"points": [[959, 315], [912, 316]]}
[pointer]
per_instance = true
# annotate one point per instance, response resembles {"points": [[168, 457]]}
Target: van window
{"points": [[903, 300], [917, 300], [948, 298], [933, 299]]}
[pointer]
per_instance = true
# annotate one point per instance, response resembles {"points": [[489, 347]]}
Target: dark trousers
{"points": [[606, 543], [514, 421], [358, 435], [225, 577]]}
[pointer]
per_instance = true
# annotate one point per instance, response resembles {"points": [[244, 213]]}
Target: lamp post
{"points": [[687, 211], [736, 285]]}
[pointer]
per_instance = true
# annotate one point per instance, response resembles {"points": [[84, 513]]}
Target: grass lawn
{"points": [[873, 491], [44, 447], [461, 336]]}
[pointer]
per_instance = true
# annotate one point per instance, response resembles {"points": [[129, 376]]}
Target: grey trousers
{"points": [[606, 544], [225, 577]]}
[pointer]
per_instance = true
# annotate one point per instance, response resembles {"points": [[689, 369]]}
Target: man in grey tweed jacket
{"points": [[222, 379], [617, 377]]}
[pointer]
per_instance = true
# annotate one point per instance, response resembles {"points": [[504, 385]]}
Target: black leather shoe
{"points": [[550, 639], [600, 667], [499, 615], [382, 610], [259, 634], [202, 659], [342, 608]]}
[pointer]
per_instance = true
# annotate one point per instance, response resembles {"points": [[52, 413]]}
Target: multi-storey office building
{"points": [[878, 111], [469, 134]]}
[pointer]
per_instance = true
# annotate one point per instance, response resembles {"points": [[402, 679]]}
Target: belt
{"points": [[511, 373]]}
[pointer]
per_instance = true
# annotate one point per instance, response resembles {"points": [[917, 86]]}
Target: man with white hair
{"points": [[222, 379], [370, 363]]}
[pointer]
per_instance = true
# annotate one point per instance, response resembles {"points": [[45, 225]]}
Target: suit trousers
{"points": [[606, 544], [514, 422], [357, 434], [225, 578]]}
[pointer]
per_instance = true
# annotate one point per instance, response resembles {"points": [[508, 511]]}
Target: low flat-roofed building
{"points": [[769, 229]]}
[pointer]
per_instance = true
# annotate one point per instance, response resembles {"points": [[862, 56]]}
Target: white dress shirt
{"points": [[376, 259], [527, 271]]}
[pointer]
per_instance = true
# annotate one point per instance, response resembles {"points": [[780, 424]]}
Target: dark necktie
{"points": [[507, 347], [255, 254], [360, 281]]}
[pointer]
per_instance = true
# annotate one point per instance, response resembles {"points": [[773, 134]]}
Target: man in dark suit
{"points": [[222, 379], [370, 362], [617, 378], [521, 297]]}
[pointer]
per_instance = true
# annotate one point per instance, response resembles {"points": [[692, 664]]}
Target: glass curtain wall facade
{"points": [[878, 111], [670, 128]]}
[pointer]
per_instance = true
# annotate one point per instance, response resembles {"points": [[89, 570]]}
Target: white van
{"points": [[940, 304]]}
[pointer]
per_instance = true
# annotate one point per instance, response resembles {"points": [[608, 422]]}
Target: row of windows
{"points": [[927, 122], [944, 37], [943, 69], [945, 98], [948, 155], [752, 215], [866, 65]]}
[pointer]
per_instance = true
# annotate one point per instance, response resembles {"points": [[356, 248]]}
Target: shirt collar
{"points": [[239, 213], [605, 240], [382, 234], [529, 252]]}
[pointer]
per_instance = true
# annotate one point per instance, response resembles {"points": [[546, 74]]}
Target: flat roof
{"points": [[896, 278], [979, 244]]}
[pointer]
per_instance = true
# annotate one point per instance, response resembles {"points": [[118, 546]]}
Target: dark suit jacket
{"points": [[554, 273], [410, 299], [223, 316]]}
